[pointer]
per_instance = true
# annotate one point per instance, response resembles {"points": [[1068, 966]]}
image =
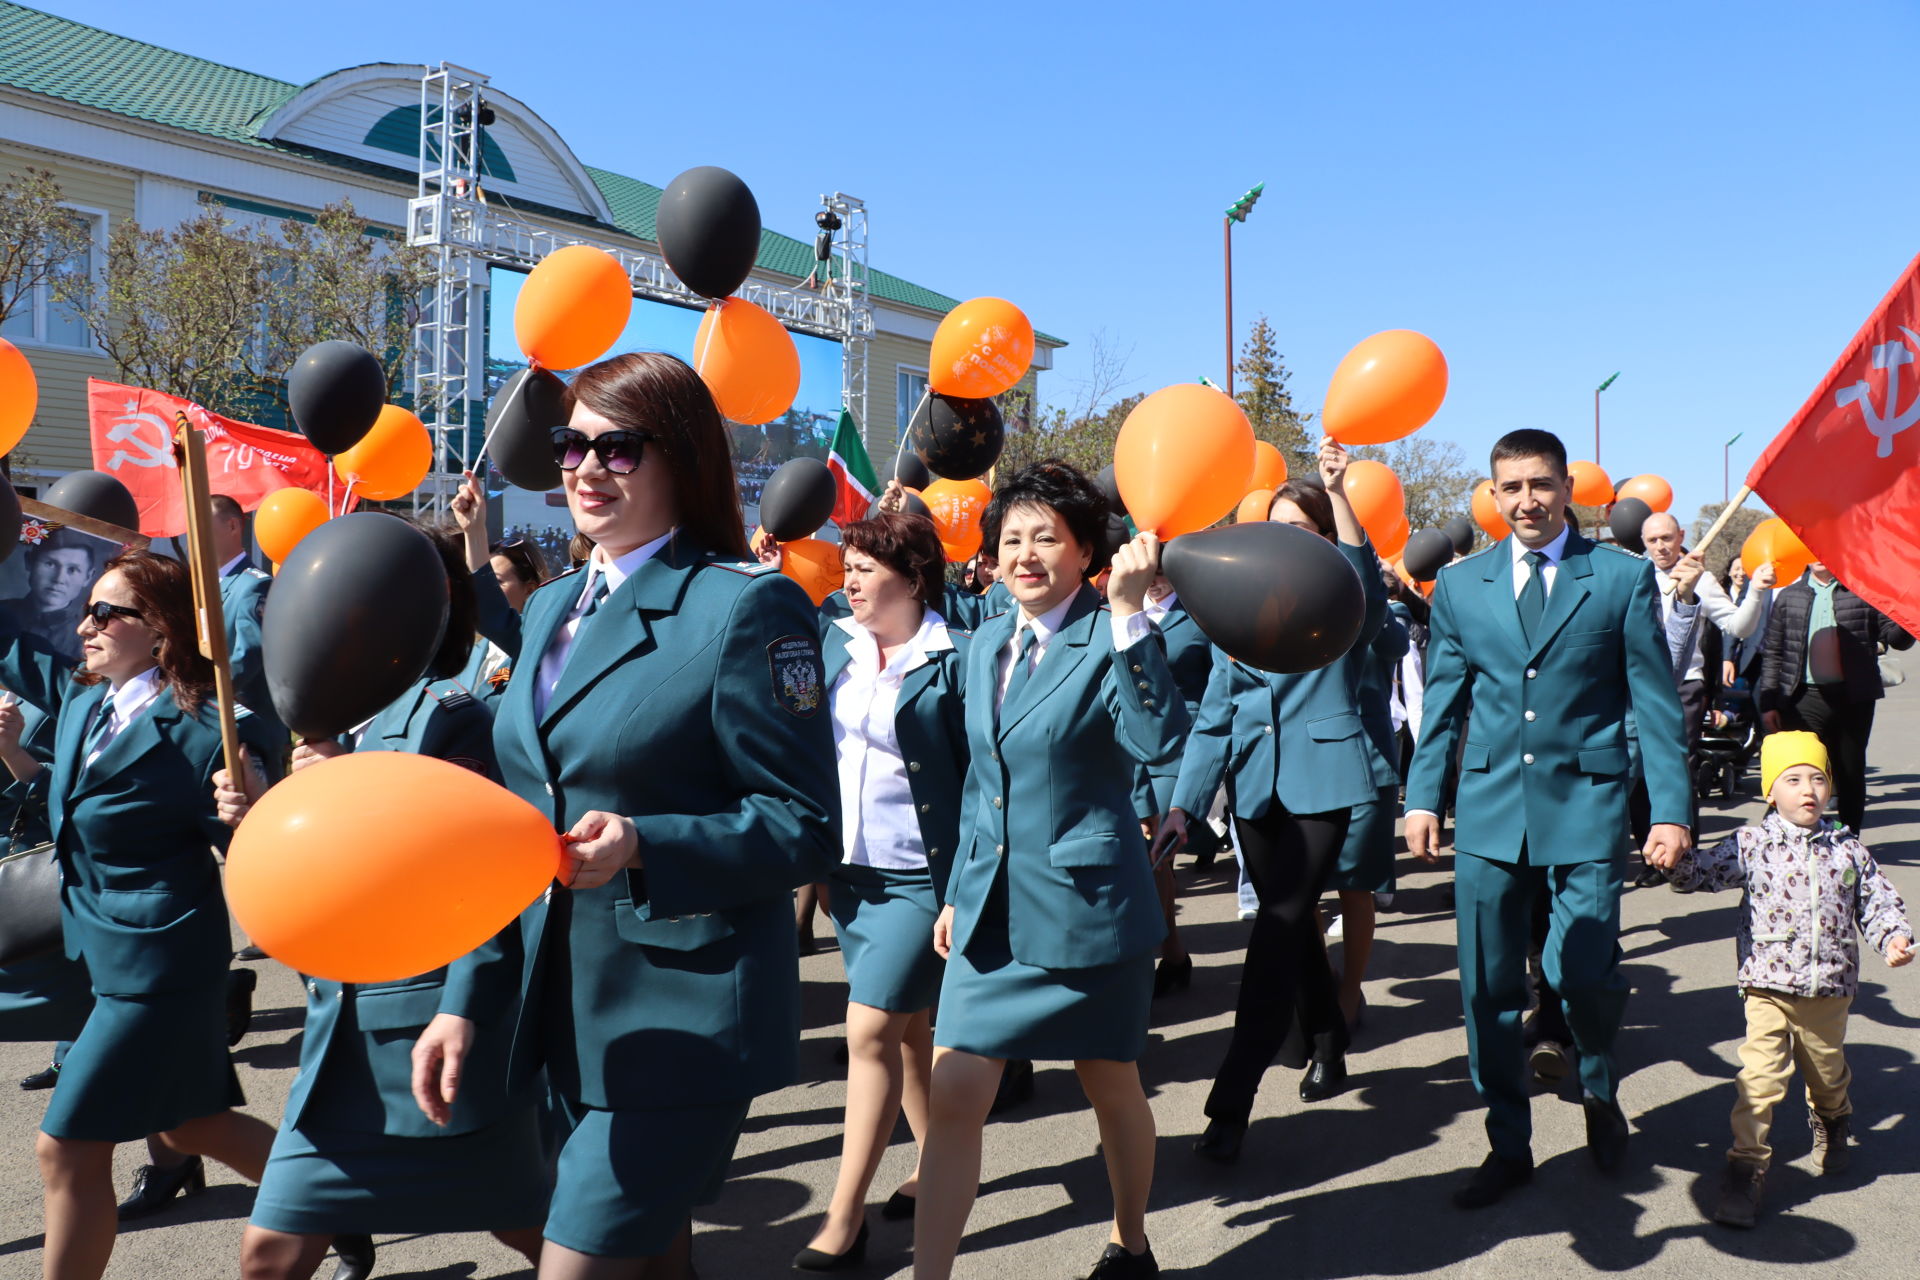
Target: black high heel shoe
{"points": [[811, 1259], [154, 1188], [1172, 975], [900, 1207], [356, 1257]]}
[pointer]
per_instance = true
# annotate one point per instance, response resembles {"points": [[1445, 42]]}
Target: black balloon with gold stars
{"points": [[957, 438]]}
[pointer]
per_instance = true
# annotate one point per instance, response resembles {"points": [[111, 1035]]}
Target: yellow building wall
{"points": [[57, 441]]}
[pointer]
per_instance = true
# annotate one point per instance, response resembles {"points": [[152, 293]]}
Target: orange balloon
{"points": [[1395, 539], [1774, 542], [1650, 489], [340, 870], [747, 360], [1256, 506], [1387, 387], [1377, 497], [1591, 486], [19, 395], [285, 517], [1486, 512], [391, 460], [573, 307], [1269, 466], [981, 348], [815, 565], [956, 507], [1184, 458]]}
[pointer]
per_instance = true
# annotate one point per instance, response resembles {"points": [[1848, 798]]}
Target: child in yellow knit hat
{"points": [[1811, 889]]}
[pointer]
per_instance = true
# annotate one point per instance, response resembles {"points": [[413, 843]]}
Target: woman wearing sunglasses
{"points": [[136, 745], [668, 711]]}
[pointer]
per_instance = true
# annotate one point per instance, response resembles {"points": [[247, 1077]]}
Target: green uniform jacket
{"points": [[361, 1080], [694, 703], [1297, 737], [1049, 792], [1544, 768], [1190, 655], [140, 895], [929, 719], [243, 599]]}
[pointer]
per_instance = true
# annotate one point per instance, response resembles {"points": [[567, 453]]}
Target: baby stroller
{"points": [[1727, 743]]}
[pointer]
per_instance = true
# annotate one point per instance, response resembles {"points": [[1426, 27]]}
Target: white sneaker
{"points": [[1248, 913], [1335, 931]]}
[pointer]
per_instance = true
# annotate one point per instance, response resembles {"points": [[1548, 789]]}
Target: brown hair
{"points": [[226, 507], [661, 395], [163, 593], [456, 643], [907, 544], [1313, 502], [524, 555]]}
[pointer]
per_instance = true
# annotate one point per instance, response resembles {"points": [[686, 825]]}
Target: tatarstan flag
{"points": [[852, 472], [1845, 471]]}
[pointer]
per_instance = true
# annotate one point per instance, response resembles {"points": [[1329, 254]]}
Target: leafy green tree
{"points": [[1434, 474], [1263, 394], [1726, 547], [40, 240]]}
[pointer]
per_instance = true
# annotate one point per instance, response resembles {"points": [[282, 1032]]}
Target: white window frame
{"points": [[904, 406], [42, 298]]}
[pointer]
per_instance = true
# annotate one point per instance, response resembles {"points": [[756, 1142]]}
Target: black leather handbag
{"points": [[29, 898]]}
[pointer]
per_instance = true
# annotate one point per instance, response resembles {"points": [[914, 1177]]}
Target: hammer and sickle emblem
{"points": [[129, 430], [1885, 426]]}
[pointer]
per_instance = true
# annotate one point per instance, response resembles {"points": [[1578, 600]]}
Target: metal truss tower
{"points": [[450, 215]]}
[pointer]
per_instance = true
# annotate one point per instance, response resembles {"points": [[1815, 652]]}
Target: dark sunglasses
{"points": [[619, 450], [102, 613]]}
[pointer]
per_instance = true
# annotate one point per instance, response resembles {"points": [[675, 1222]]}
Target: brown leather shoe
{"points": [[1740, 1194], [1832, 1142]]}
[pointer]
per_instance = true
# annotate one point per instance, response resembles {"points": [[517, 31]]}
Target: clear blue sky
{"points": [[1707, 197]]}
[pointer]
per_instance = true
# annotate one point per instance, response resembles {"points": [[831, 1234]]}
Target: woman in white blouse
{"points": [[893, 670]]}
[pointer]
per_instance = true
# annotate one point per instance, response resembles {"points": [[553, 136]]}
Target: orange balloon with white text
{"points": [[982, 347], [285, 517], [1387, 387], [572, 307], [747, 360], [331, 875], [1486, 512], [19, 395], [956, 507], [1591, 485], [389, 461], [1184, 459], [1650, 489]]}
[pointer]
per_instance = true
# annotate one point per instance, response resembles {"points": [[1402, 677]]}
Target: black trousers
{"points": [[1289, 1006], [1844, 728]]}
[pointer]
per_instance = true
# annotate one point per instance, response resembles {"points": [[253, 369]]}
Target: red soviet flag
{"points": [[1845, 472], [132, 430]]}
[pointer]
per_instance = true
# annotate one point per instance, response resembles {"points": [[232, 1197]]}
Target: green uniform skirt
{"points": [[145, 1064], [884, 919]]}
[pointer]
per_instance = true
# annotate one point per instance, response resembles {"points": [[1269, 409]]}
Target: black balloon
{"points": [[9, 519], [956, 437], [1270, 595], [1625, 520], [1116, 536], [708, 229], [797, 499], [520, 426], [335, 390], [355, 615], [911, 504], [910, 471], [96, 494], [1460, 531], [1428, 552], [1104, 481]]}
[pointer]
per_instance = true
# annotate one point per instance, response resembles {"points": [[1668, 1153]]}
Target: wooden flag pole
{"points": [[191, 453], [1719, 522]]}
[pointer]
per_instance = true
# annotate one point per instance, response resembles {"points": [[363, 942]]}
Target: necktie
{"points": [[593, 602], [1533, 596], [1022, 669], [99, 734]]}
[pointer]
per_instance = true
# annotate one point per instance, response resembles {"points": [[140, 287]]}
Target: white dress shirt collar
{"points": [[128, 700], [1158, 609], [234, 565], [1045, 625], [1553, 550], [863, 649], [617, 570]]}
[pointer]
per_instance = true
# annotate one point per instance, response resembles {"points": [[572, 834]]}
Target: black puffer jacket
{"points": [[1861, 629]]}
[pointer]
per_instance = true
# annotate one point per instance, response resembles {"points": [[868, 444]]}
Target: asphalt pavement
{"points": [[1357, 1186]]}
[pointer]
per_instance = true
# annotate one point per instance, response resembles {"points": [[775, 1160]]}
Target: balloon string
{"points": [[329, 486], [499, 419], [926, 394], [700, 351], [346, 497]]}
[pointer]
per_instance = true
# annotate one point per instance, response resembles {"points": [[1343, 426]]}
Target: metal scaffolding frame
{"points": [[450, 215]]}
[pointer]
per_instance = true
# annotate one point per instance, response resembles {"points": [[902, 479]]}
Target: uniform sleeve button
{"points": [[1532, 672], [926, 808], [1527, 758], [913, 766], [1000, 848], [1531, 716]]}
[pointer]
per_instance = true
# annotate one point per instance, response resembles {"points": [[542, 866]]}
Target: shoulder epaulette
{"points": [[1617, 549], [259, 573], [450, 694], [746, 568], [1484, 551], [562, 577]]}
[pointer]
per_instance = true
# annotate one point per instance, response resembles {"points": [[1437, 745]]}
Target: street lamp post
{"points": [[1596, 416], [1726, 471], [1236, 212]]}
